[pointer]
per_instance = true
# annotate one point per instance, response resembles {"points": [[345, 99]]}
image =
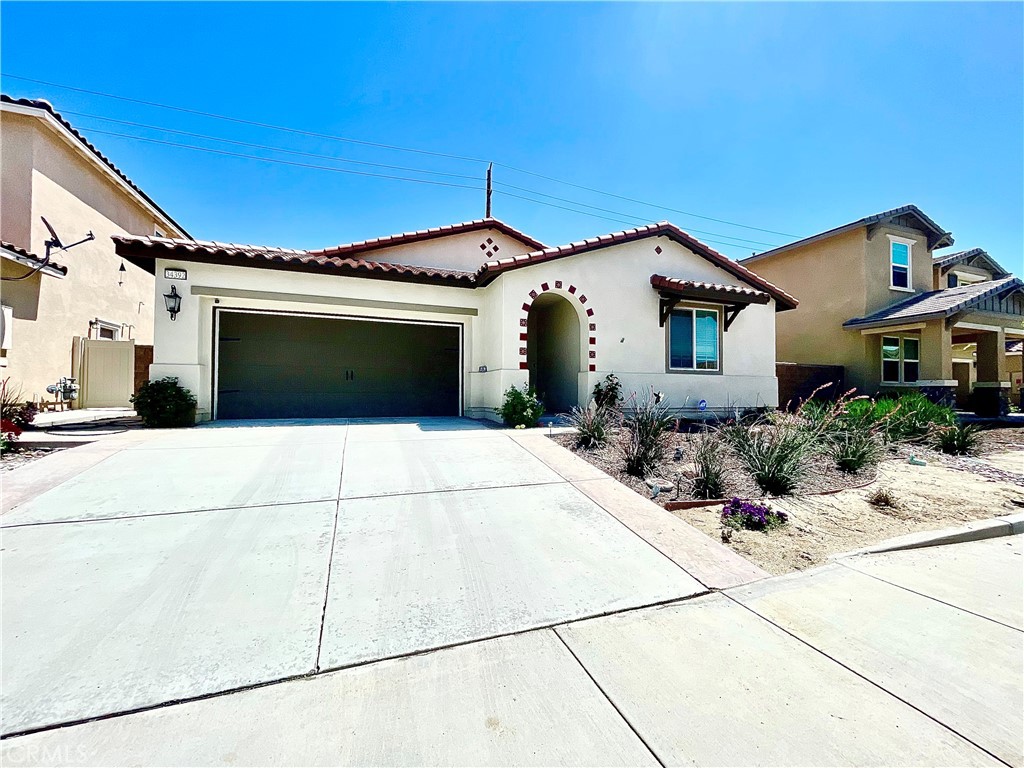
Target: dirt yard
{"points": [[928, 498], [949, 491]]}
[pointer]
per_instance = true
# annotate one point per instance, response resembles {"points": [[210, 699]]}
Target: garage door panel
{"points": [[282, 366]]}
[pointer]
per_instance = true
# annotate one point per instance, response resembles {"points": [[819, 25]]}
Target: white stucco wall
{"points": [[461, 252], [615, 281]]}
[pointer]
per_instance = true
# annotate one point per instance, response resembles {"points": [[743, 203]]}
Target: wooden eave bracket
{"points": [[732, 312], [666, 305]]}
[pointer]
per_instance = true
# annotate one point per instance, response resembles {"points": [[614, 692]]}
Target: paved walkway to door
{"points": [[441, 592]]}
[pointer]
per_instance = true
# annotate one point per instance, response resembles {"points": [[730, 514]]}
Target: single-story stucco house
{"points": [[442, 321]]}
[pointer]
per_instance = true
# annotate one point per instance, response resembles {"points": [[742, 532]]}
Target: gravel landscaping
{"points": [[830, 511], [19, 457]]}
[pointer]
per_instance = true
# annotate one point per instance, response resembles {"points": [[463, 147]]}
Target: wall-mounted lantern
{"points": [[172, 301]]}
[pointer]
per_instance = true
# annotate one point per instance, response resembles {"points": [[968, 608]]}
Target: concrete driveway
{"points": [[441, 593], [187, 563]]}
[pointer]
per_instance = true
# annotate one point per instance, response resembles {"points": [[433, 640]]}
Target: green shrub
{"points": [[774, 452], [608, 393], [643, 443], [521, 408], [165, 403], [910, 417], [708, 457], [855, 449], [959, 440]]}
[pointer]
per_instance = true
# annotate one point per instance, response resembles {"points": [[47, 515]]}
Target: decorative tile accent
{"points": [[524, 366], [583, 299], [496, 248], [593, 367], [593, 340], [593, 354], [522, 336], [522, 322], [590, 313], [657, 249], [522, 350], [533, 294], [558, 283], [545, 287], [593, 326], [572, 289], [489, 241], [526, 307]]}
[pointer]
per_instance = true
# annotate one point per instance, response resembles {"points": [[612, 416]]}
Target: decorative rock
{"points": [[660, 483]]}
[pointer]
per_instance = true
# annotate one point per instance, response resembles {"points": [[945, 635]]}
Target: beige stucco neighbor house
{"points": [[443, 321], [50, 170], [877, 300]]}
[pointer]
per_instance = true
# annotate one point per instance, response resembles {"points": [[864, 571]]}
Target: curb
{"points": [[1007, 525]]}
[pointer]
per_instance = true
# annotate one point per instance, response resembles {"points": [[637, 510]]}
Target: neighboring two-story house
{"points": [[87, 292], [878, 301]]}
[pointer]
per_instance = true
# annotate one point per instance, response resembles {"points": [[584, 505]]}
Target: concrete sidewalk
{"points": [[903, 658]]}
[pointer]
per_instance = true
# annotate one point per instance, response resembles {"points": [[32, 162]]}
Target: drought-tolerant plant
{"points": [[593, 424], [752, 516], [608, 393], [855, 449], [13, 406], [961, 440], [643, 440], [883, 497], [165, 403], [521, 408], [774, 451], [911, 417], [708, 458]]}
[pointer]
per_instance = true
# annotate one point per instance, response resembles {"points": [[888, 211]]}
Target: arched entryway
{"points": [[553, 352]]}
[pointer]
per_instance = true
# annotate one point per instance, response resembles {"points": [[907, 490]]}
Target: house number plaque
{"points": [[175, 274]]}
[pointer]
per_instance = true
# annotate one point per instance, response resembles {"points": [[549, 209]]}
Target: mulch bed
{"points": [[822, 475]]}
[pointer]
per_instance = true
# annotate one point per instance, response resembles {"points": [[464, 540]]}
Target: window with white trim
{"points": [[901, 359], [104, 331], [900, 252], [693, 340]]}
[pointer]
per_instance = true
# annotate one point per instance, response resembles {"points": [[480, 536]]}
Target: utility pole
{"points": [[487, 208]]}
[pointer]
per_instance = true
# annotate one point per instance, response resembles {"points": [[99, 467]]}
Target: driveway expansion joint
{"points": [[868, 680]]}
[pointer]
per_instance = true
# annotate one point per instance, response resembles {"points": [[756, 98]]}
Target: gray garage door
{"points": [[288, 366]]}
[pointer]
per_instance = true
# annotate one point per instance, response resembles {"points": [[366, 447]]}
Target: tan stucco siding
{"points": [[76, 197], [878, 293], [828, 278]]}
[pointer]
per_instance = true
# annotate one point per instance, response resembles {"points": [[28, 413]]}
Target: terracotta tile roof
{"points": [[941, 303], [282, 258], [678, 285], [962, 257], [48, 108], [31, 260], [492, 269], [389, 241], [940, 236]]}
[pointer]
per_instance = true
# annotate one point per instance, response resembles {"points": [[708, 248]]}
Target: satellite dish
{"points": [[55, 241]]}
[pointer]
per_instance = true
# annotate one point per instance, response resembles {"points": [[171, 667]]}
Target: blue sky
{"points": [[793, 118]]}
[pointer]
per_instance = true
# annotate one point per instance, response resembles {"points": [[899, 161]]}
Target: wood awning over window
{"points": [[673, 290]]}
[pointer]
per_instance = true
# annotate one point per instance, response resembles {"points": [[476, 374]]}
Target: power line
{"points": [[620, 213], [742, 240], [286, 162], [254, 123], [265, 146], [395, 148], [633, 223], [641, 202]]}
